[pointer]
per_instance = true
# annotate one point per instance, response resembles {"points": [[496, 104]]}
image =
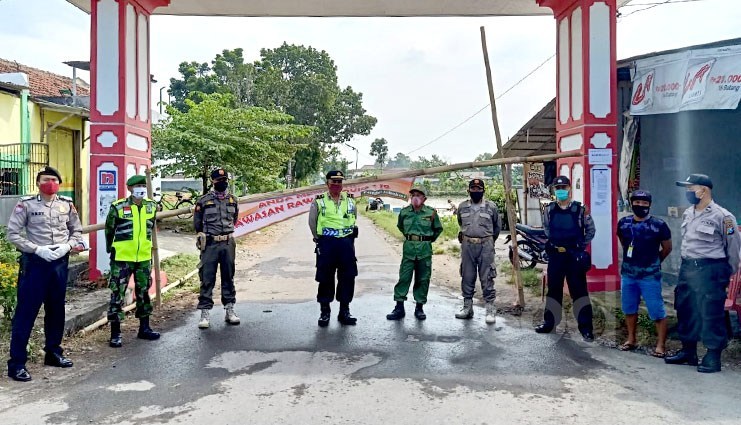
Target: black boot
{"points": [[688, 355], [116, 340], [419, 313], [711, 362], [345, 318], [398, 312], [145, 332], [324, 315]]}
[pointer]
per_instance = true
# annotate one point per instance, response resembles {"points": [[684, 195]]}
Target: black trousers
{"points": [[336, 256], [563, 266], [39, 282], [699, 299], [221, 255]]}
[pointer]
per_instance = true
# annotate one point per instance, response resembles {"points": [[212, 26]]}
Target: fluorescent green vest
{"points": [[333, 221], [132, 238]]}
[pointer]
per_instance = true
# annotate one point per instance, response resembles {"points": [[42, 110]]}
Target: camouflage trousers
{"points": [[120, 273]]}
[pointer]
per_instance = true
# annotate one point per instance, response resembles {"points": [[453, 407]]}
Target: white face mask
{"points": [[139, 192]]}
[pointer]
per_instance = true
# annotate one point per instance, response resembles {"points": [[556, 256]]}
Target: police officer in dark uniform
{"points": [[332, 222], [52, 230], [710, 255], [214, 218], [569, 229]]}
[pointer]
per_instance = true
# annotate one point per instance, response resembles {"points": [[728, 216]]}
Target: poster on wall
{"points": [[107, 193], [536, 188]]}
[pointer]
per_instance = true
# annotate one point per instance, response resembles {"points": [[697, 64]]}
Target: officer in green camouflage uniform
{"points": [[128, 233], [420, 226]]}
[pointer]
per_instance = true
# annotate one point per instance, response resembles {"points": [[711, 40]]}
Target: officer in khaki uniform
{"points": [[479, 221], [420, 226], [710, 255], [52, 230], [128, 235], [214, 218]]}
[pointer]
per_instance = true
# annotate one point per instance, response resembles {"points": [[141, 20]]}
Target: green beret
{"points": [[135, 180]]}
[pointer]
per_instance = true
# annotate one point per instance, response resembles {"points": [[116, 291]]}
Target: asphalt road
{"points": [[278, 367]]}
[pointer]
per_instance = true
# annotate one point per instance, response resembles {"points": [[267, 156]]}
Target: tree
{"points": [[379, 150], [400, 161], [423, 162], [252, 143]]}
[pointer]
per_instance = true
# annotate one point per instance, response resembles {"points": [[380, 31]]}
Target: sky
{"points": [[419, 76]]}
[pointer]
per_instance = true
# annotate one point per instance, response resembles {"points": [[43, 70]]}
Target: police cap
{"points": [[219, 173], [418, 189], [135, 180], [697, 179], [49, 171], [640, 195], [561, 181], [476, 183], [335, 175]]}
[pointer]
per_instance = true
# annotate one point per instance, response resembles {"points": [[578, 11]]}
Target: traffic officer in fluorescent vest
{"points": [[569, 229], [480, 227], [52, 230], [332, 222], [128, 234], [214, 218], [420, 226], [710, 255]]}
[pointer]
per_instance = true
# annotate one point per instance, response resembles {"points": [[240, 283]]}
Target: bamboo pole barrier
{"points": [[155, 249]]}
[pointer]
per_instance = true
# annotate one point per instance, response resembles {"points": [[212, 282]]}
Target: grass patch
{"points": [[178, 266], [454, 249], [386, 220], [176, 225]]}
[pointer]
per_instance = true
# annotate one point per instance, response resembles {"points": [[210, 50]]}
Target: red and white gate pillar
{"points": [[120, 122], [586, 119]]}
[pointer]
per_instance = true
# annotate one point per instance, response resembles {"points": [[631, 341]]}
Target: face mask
{"points": [[692, 197], [221, 186], [562, 194], [49, 187], [417, 201], [476, 197], [640, 211], [139, 192]]}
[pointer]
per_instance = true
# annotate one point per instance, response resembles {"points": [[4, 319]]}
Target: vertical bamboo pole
{"points": [[511, 218], [155, 248]]}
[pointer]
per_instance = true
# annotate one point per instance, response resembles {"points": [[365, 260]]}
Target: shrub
{"points": [[8, 292]]}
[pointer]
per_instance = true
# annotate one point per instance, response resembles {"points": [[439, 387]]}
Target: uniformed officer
{"points": [[569, 229], [215, 214], [52, 231], [710, 255], [128, 235], [480, 227], [420, 226], [332, 222]]}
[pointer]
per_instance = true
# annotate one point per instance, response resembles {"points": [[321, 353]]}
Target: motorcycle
{"points": [[531, 244]]}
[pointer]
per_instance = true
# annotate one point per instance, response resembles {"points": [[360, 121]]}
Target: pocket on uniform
{"points": [[211, 217]]}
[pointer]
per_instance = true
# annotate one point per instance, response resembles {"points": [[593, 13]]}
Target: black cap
{"points": [[697, 179], [49, 171], [335, 175], [219, 173], [476, 183], [561, 181], [640, 195]]}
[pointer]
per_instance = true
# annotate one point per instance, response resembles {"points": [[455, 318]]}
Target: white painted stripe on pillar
{"points": [[577, 183], [571, 143], [599, 60], [130, 170], [577, 70], [601, 210], [130, 61], [143, 56], [563, 71], [600, 140], [107, 139], [564, 171], [135, 141], [106, 53]]}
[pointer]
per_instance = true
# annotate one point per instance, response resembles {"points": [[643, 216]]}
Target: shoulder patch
{"points": [[729, 225], [27, 198], [118, 201], [19, 208]]}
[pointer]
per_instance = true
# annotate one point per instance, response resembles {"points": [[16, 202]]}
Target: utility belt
{"points": [[701, 262], [337, 233], [218, 238], [484, 239], [553, 248], [418, 238]]}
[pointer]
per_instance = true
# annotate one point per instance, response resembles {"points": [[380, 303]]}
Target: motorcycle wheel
{"points": [[525, 246]]}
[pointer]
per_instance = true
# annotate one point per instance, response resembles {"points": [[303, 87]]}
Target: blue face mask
{"points": [[562, 194], [692, 197]]}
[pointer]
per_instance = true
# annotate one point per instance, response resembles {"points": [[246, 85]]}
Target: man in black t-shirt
{"points": [[646, 242]]}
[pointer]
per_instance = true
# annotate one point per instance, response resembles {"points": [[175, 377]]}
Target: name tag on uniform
{"points": [[630, 251]]}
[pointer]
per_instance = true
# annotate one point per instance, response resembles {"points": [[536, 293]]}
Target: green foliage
{"points": [[252, 143], [8, 276], [8, 253], [495, 171], [178, 266], [380, 150], [386, 220], [495, 193], [450, 228], [400, 161]]}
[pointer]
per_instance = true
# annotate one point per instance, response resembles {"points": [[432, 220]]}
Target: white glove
{"points": [[45, 252], [61, 251]]}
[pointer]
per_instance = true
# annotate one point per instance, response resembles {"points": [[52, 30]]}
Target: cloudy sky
{"points": [[420, 76]]}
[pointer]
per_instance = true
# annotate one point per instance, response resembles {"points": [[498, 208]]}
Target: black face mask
{"points": [[221, 186], [640, 211], [476, 197]]}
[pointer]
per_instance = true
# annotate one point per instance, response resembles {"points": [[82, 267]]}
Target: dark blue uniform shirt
{"points": [[645, 237]]}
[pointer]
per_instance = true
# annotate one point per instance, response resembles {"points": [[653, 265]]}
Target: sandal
{"points": [[627, 347], [657, 354]]}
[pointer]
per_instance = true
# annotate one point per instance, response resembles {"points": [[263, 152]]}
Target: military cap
{"points": [[697, 179], [135, 180], [335, 175], [219, 173], [49, 171], [419, 189], [640, 195], [476, 183], [561, 181]]}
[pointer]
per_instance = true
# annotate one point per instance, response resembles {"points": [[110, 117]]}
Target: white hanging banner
{"points": [[687, 81]]}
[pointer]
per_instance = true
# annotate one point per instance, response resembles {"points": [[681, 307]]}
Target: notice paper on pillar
{"points": [[256, 215], [687, 81]]}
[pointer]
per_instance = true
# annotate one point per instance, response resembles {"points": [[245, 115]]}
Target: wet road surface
{"points": [[278, 367]]}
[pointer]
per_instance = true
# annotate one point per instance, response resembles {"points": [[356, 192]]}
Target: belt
{"points": [[418, 238], [218, 238], [699, 262], [477, 240]]}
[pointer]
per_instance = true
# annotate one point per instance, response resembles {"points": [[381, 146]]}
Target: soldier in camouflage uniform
{"points": [[128, 233]]}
